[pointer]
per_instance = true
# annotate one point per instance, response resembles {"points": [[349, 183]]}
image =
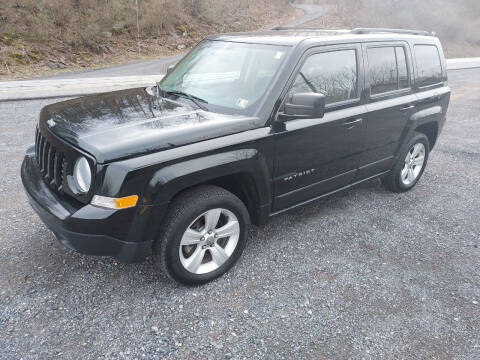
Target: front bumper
{"points": [[86, 228]]}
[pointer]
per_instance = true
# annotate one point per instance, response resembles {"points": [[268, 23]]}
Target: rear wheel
{"points": [[410, 164], [203, 236]]}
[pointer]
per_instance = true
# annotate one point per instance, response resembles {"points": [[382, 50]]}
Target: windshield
{"points": [[226, 76]]}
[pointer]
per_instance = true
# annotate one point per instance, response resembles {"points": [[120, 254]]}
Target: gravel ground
{"points": [[362, 274]]}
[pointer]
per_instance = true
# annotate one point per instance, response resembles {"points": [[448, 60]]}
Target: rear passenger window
{"points": [[333, 74], [387, 69], [383, 70], [429, 68]]}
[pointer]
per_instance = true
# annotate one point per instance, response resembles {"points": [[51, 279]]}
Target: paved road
{"points": [[149, 67], [310, 12], [363, 274]]}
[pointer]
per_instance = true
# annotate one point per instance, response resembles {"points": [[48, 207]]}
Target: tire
{"points": [[406, 173], [177, 252]]}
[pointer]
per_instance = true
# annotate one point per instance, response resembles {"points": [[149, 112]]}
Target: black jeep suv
{"points": [[244, 127]]}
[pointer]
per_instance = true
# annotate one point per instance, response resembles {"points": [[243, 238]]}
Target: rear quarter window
{"points": [[429, 68]]}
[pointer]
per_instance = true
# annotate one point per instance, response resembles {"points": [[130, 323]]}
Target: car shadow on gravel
{"points": [[48, 255]]}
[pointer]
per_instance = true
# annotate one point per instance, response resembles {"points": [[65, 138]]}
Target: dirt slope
{"points": [[40, 37]]}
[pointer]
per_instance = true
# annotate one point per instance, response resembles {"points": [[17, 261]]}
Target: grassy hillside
{"points": [[45, 36], [38, 35], [456, 22]]}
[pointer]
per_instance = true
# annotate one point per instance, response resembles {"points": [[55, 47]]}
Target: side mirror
{"points": [[305, 106], [170, 68]]}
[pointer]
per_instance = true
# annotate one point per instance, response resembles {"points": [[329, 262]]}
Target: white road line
{"points": [[463, 63], [35, 89], [39, 89]]}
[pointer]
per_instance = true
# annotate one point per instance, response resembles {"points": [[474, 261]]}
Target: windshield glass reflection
{"points": [[226, 76]]}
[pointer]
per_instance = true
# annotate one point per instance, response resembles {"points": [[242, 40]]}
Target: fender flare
{"points": [[168, 181], [425, 115], [418, 118]]}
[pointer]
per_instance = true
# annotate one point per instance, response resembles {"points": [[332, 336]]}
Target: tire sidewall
{"points": [[418, 138], [172, 244]]}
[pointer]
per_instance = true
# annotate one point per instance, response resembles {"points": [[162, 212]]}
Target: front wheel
{"points": [[410, 164], [203, 235]]}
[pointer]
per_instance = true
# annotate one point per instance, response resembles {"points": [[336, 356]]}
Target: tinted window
{"points": [[429, 69], [383, 70], [402, 67], [333, 74]]}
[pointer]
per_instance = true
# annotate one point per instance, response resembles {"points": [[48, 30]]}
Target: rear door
{"points": [[391, 101], [433, 92], [315, 156]]}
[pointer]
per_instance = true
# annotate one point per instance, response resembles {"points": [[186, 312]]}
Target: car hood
{"points": [[132, 122]]}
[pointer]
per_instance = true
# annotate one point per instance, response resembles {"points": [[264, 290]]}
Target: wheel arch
{"points": [[426, 121], [430, 129], [242, 172]]}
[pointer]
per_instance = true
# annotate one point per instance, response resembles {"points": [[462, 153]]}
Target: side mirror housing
{"points": [[170, 68], [305, 106]]}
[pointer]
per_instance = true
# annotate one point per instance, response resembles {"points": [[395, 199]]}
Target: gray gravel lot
{"points": [[363, 274]]}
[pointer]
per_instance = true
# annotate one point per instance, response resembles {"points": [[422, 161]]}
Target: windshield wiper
{"points": [[195, 99]]}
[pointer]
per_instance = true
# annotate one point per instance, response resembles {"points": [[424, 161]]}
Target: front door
{"points": [[316, 156]]}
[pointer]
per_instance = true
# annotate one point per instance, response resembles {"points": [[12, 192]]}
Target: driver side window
{"points": [[333, 74]]}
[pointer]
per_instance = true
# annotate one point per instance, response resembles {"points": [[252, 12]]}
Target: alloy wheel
{"points": [[209, 241], [413, 164]]}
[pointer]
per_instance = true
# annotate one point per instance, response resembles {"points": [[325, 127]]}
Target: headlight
{"points": [[82, 175]]}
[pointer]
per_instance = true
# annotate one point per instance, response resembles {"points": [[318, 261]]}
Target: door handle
{"points": [[350, 124], [406, 108]]}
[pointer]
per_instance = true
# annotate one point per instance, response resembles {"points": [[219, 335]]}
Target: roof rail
{"points": [[309, 29], [357, 30], [385, 30]]}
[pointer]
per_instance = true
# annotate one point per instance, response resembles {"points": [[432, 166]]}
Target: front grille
{"points": [[51, 162]]}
